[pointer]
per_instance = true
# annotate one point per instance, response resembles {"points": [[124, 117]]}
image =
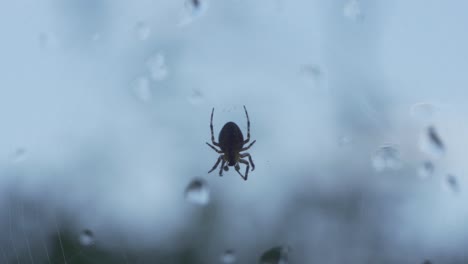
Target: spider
{"points": [[231, 143]]}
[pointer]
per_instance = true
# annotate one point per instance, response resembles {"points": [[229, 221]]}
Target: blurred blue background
{"points": [[358, 108]]}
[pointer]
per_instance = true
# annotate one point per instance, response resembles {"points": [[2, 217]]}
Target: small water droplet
{"points": [[193, 10], [197, 192], [142, 89], [228, 257], [427, 262], [96, 37], [142, 30], [312, 72], [452, 183], [344, 141], [276, 255], [386, 157], [86, 238], [424, 112], [19, 155], [48, 41], [431, 143], [426, 170], [196, 97], [157, 66], [352, 10]]}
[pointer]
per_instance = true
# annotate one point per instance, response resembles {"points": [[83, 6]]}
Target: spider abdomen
{"points": [[230, 138]]}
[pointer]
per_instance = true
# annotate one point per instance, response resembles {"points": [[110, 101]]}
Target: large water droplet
{"points": [[228, 257], [275, 255], [426, 170], [424, 112], [142, 30], [197, 192], [386, 157], [352, 10], [142, 89], [452, 183], [431, 143], [157, 66], [86, 238]]}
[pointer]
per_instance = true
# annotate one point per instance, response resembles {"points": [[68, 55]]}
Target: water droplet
{"points": [[196, 97], [426, 170], [344, 141], [431, 143], [228, 257], [86, 238], [19, 155], [96, 37], [312, 72], [424, 112], [48, 41], [142, 89], [352, 10], [452, 183], [275, 255], [197, 192], [157, 66], [193, 10], [386, 157], [427, 262], [142, 30]]}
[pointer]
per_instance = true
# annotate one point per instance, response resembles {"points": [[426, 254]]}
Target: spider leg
{"points": [[211, 128], [215, 149], [248, 126], [246, 169], [217, 163], [250, 159], [246, 148], [222, 166]]}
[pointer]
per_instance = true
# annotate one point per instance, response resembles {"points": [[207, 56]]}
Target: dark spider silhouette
{"points": [[231, 143]]}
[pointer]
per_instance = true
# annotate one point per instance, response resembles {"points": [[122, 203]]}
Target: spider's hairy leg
{"points": [[211, 128], [250, 159], [248, 126], [246, 148], [222, 167], [217, 163], [211, 146], [246, 169]]}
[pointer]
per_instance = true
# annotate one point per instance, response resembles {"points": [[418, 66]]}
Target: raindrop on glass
{"points": [[452, 183], [197, 192], [275, 255], [86, 238], [228, 257], [352, 10], [431, 143], [157, 66], [387, 157], [142, 89], [142, 30], [424, 112], [427, 262], [19, 155], [426, 170]]}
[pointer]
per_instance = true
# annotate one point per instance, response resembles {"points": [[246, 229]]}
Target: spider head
{"points": [[232, 159]]}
